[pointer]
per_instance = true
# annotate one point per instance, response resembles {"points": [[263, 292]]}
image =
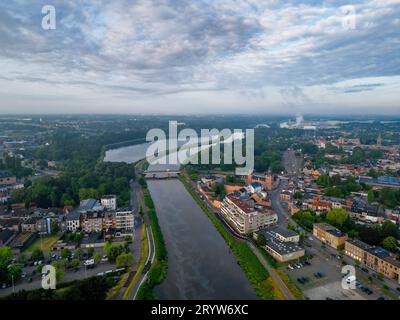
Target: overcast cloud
{"points": [[200, 56]]}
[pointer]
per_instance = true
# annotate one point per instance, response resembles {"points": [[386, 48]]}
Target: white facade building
{"points": [[109, 202]]}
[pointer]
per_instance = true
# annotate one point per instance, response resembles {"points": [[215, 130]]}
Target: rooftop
{"points": [[5, 174], [109, 196], [279, 246], [285, 232], [330, 229], [240, 203]]}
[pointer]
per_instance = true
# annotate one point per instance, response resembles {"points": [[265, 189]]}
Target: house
{"points": [[254, 187], [10, 223], [73, 221], [109, 202], [29, 225], [6, 236], [286, 195], [4, 197], [7, 178]]}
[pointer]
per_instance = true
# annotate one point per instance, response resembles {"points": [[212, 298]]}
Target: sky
{"points": [[201, 56]]}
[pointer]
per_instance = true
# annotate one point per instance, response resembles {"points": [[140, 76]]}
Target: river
{"points": [[200, 264]]}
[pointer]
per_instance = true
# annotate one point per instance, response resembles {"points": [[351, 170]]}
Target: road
{"points": [[136, 198], [69, 276], [150, 259]]}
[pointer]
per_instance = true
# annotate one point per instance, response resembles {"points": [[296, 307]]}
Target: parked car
{"points": [[290, 267], [398, 289], [365, 270], [350, 279]]}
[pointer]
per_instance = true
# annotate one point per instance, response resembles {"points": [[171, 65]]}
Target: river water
{"points": [[200, 264]]}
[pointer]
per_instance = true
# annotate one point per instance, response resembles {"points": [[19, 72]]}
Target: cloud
{"points": [[272, 51]]}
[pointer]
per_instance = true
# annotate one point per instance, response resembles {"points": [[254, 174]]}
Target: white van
{"points": [[350, 279]]}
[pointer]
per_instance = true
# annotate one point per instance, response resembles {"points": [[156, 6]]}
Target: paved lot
{"points": [[334, 291], [69, 276]]}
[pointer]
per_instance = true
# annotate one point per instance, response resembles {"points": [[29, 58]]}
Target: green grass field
{"points": [[44, 243]]}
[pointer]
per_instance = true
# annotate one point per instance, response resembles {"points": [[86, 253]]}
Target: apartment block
{"points": [[329, 234], [375, 258], [124, 220], [244, 217]]}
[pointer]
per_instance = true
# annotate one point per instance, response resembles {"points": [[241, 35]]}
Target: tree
{"points": [[59, 265], [371, 196], [54, 226], [390, 243], [90, 252], [389, 229], [261, 241], [97, 258], [5, 255], [74, 263], [15, 272], [79, 253], [370, 235], [114, 252], [65, 253], [337, 217], [37, 254], [124, 260]]}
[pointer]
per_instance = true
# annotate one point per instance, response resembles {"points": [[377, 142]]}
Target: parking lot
{"points": [[321, 279]]}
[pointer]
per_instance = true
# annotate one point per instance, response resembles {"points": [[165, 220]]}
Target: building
{"points": [[109, 202], [124, 221], [109, 221], [286, 195], [29, 225], [381, 182], [329, 235], [7, 178], [282, 244], [375, 258], [22, 241], [73, 221], [254, 187], [286, 235], [92, 222], [244, 217], [90, 205], [6, 237]]}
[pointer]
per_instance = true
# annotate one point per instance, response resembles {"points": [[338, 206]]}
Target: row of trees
{"points": [[81, 180], [387, 197], [337, 187]]}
